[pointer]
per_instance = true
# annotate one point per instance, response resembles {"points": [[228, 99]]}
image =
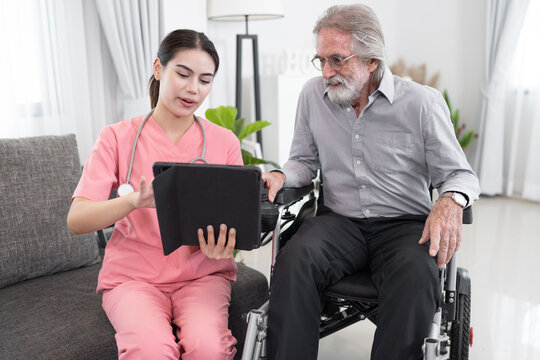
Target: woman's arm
{"points": [[86, 215]]}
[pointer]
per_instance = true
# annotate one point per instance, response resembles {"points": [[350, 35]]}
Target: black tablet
{"points": [[193, 196]]}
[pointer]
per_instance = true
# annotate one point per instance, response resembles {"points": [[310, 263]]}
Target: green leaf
{"points": [[455, 121], [252, 160], [238, 126], [276, 165], [252, 128], [223, 116], [229, 114], [246, 157], [469, 136], [256, 161], [466, 139], [447, 100], [456, 115], [249, 159], [211, 114]]}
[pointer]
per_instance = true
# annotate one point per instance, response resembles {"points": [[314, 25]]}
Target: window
{"points": [[28, 40], [526, 69]]}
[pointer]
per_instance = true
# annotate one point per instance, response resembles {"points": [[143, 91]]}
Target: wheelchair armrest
{"points": [[288, 196], [104, 235], [102, 240], [467, 215]]}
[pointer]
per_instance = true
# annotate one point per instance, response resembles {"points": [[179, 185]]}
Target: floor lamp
{"points": [[245, 10]]}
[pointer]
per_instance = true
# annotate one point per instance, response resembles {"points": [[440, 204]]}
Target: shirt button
{"points": [[358, 162], [348, 109], [363, 186], [367, 211], [357, 136]]}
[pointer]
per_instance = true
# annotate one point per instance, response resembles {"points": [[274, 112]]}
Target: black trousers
{"points": [[328, 247]]}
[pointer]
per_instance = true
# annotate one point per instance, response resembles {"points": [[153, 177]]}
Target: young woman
{"points": [[145, 292]]}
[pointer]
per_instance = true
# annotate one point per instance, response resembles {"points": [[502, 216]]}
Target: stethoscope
{"points": [[126, 188]]}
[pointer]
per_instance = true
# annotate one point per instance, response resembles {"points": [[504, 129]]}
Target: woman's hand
{"points": [[86, 215], [144, 198], [217, 250]]}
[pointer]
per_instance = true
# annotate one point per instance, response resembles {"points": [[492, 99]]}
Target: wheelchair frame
{"points": [[450, 334]]}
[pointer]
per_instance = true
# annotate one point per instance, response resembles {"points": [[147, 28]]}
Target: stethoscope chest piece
{"points": [[125, 189]]}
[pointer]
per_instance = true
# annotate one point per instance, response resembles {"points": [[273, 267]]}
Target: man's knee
{"points": [[414, 275], [301, 260], [309, 244]]}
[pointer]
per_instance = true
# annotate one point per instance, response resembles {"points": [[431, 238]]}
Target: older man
{"points": [[380, 141]]}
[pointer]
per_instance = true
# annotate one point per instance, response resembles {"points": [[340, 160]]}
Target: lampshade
{"points": [[237, 10]]}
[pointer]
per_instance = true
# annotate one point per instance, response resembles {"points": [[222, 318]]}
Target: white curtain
{"points": [[45, 86], [132, 29], [522, 173], [504, 22]]}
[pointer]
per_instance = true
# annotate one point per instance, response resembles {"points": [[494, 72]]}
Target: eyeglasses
{"points": [[336, 62]]}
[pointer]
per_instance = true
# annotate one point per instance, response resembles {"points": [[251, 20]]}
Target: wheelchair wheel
{"points": [[461, 329]]}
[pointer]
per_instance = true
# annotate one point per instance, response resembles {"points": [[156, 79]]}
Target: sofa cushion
{"points": [[39, 175], [56, 317], [60, 316]]}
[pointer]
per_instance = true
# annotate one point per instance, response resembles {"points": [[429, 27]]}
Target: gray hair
{"points": [[363, 24]]}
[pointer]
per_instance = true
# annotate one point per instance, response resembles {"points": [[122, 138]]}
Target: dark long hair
{"points": [[175, 41]]}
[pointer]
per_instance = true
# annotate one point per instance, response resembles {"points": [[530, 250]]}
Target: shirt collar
{"points": [[386, 87]]}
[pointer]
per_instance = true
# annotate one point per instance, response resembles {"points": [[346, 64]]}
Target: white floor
{"points": [[501, 250]]}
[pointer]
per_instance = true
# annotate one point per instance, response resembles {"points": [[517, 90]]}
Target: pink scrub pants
{"points": [[142, 316]]}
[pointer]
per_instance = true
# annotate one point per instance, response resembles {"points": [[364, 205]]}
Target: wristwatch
{"points": [[457, 197]]}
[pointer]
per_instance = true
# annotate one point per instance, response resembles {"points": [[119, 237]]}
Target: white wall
{"points": [[449, 37], [183, 14], [446, 35]]}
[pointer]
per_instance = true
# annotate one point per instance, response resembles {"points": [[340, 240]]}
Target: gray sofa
{"points": [[48, 305]]}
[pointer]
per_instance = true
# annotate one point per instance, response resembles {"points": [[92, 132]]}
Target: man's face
{"points": [[343, 85]]}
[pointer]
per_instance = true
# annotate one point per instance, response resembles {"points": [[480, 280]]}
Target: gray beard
{"points": [[345, 95]]}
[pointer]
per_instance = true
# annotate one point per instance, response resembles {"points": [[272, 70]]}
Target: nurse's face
{"points": [[185, 82]]}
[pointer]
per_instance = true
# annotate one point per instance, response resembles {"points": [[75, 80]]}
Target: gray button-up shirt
{"points": [[381, 163]]}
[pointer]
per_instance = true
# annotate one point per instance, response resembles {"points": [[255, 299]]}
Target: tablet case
{"points": [[193, 196]]}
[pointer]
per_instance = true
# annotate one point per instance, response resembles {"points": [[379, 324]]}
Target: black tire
{"points": [[461, 328]]}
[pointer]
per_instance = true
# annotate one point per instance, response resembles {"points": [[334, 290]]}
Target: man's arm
{"points": [[450, 172], [303, 163]]}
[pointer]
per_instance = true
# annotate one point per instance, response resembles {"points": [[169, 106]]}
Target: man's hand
{"points": [[443, 229], [273, 181], [217, 250]]}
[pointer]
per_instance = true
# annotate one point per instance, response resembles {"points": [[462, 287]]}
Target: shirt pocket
{"points": [[393, 153]]}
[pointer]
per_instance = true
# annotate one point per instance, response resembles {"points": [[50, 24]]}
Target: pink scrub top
{"points": [[134, 251]]}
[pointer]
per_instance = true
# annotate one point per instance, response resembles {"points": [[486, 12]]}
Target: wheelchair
{"points": [[354, 297]]}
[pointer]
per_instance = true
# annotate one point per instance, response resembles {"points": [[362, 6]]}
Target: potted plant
{"points": [[418, 73], [465, 138], [225, 116]]}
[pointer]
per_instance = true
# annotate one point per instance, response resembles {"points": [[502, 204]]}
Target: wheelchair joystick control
{"points": [[269, 212]]}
